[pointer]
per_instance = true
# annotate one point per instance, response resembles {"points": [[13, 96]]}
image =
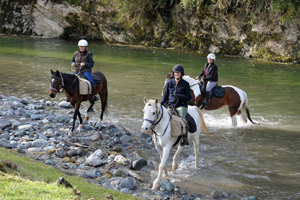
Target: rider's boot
{"points": [[206, 100], [94, 93], [184, 141]]}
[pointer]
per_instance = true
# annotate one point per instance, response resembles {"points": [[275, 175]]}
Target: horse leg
{"points": [[196, 147], [233, 111], [175, 157], [103, 97], [92, 103], [242, 116], [76, 113], [165, 154]]}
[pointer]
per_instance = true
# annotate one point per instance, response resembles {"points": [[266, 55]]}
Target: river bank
{"points": [[103, 154]]}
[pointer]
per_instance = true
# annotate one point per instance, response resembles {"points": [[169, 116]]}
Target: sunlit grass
{"points": [[35, 180]]}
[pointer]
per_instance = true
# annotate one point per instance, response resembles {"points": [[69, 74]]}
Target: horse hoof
{"points": [[86, 118], [175, 166], [70, 133]]}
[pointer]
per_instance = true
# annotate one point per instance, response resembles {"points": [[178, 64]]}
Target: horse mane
{"points": [[189, 79], [193, 84]]}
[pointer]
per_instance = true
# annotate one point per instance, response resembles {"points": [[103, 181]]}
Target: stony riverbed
{"points": [[103, 154]]}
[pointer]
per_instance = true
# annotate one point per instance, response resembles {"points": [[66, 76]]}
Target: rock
{"points": [[138, 164], [122, 160], [217, 194], [40, 143], [94, 161], [25, 127], [167, 185], [246, 197], [65, 104], [127, 183], [4, 123]]}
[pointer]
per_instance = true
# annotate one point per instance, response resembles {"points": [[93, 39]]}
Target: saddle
{"points": [[218, 91], [179, 125]]}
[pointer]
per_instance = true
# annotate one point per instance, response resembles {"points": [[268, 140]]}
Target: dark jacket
{"points": [[85, 57], [210, 73], [182, 88]]}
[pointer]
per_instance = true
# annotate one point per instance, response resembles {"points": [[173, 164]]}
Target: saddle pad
{"points": [[219, 91], [192, 127], [85, 86], [96, 79], [178, 126]]}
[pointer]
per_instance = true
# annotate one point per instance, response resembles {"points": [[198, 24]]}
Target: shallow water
{"points": [[261, 160]]}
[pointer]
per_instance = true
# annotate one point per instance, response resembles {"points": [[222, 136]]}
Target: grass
{"points": [[24, 178]]}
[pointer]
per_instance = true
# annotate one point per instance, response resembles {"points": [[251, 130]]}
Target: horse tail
{"points": [[104, 103], [203, 124], [245, 108]]}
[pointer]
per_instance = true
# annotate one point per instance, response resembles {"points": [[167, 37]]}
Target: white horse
{"points": [[235, 98], [156, 117]]}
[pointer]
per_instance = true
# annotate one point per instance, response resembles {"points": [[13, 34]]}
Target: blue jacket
{"points": [[182, 89]]}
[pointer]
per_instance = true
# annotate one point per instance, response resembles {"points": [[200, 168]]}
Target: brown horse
{"points": [[70, 83], [235, 98]]}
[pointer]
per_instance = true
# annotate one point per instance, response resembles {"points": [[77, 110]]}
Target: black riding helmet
{"points": [[178, 68]]}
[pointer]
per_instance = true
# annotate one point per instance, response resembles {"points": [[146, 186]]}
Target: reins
{"points": [[62, 83], [153, 123]]}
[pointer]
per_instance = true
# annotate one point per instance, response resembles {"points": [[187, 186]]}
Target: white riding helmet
{"points": [[82, 43], [211, 56]]}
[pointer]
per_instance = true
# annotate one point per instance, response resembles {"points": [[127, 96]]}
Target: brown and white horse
{"points": [[235, 98]]}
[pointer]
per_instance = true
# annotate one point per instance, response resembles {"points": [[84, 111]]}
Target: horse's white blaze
{"points": [[52, 80], [155, 113]]}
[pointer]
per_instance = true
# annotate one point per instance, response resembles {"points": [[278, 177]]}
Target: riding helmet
{"points": [[211, 56], [82, 43], [178, 68]]}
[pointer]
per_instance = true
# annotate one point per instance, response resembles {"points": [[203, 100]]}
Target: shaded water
{"points": [[262, 160]]}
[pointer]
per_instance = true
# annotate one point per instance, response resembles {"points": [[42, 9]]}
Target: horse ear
{"points": [[145, 100], [156, 101], [51, 71]]}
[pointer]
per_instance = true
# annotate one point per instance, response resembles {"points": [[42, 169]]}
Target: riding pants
{"points": [[210, 85], [89, 77], [182, 111]]}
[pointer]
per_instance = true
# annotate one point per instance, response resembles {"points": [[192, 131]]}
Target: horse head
{"points": [[151, 114], [56, 83]]}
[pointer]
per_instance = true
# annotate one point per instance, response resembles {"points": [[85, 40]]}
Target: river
{"points": [[261, 160]]}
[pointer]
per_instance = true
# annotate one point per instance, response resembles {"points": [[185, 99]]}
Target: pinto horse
{"points": [[235, 98], [70, 83], [157, 118]]}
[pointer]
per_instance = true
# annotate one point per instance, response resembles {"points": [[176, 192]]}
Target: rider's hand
{"points": [[73, 64], [82, 64], [197, 77]]}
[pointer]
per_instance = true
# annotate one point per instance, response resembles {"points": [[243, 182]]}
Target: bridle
{"points": [[61, 83], [156, 120]]}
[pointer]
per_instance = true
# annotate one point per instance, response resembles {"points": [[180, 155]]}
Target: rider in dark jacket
{"points": [[210, 79], [177, 93]]}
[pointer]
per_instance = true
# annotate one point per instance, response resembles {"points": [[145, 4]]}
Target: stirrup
{"points": [[185, 141], [95, 98]]}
